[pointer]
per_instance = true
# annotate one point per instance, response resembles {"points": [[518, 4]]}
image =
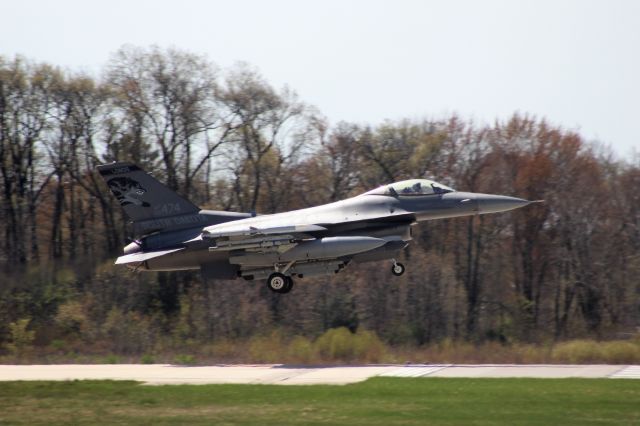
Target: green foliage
{"points": [[58, 344], [339, 344], [147, 359], [336, 343], [130, 332], [21, 339], [300, 350], [267, 348], [184, 359], [111, 359], [368, 347], [71, 318], [224, 350], [65, 276]]}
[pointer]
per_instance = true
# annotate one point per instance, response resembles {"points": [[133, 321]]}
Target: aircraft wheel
{"points": [[397, 269], [277, 282], [289, 285]]}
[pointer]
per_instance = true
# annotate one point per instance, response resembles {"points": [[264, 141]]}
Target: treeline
{"points": [[228, 140]]}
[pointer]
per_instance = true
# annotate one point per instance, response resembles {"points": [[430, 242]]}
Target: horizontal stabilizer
{"points": [[141, 257]]}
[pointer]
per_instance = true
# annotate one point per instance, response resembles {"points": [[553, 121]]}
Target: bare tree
{"points": [[25, 96], [270, 130], [166, 101]]}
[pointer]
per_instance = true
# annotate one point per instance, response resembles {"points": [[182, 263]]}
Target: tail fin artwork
{"points": [[148, 203]]}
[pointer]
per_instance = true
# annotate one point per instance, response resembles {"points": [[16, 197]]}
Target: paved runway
{"points": [[291, 375]]}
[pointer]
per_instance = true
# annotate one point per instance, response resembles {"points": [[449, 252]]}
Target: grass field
{"points": [[378, 401]]}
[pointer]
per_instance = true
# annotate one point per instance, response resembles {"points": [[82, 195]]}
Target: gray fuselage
{"points": [[381, 216]]}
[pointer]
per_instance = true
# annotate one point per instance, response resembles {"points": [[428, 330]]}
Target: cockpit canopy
{"points": [[412, 187]]}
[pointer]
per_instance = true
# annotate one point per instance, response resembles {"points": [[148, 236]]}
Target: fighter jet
{"points": [[173, 234]]}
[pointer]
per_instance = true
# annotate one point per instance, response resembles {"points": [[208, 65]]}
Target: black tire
{"points": [[397, 269], [277, 282], [289, 285]]}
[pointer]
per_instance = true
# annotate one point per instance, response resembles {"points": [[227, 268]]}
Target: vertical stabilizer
{"points": [[141, 196]]}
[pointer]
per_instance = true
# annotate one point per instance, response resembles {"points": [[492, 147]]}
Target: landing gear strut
{"points": [[397, 269], [279, 283]]}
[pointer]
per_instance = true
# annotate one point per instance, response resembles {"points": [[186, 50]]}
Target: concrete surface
{"points": [[283, 374]]}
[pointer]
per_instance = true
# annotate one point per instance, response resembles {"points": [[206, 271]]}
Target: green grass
{"points": [[378, 401]]}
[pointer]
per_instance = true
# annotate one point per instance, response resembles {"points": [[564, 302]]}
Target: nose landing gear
{"points": [[397, 269]]}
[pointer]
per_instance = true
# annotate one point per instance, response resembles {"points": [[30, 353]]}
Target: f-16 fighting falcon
{"points": [[173, 234]]}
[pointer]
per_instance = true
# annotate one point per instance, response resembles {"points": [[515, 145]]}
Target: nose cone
{"points": [[488, 203]]}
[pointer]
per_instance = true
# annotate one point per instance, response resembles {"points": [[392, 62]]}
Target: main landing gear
{"points": [[397, 269], [279, 283]]}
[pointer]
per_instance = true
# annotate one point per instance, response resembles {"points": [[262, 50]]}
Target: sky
{"points": [[574, 63]]}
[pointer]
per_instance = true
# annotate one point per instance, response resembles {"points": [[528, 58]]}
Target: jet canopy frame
{"points": [[412, 188]]}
